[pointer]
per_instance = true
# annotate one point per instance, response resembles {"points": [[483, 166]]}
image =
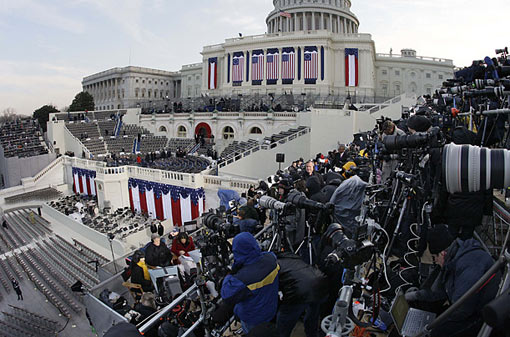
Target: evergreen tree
{"points": [[83, 101], [43, 114]]}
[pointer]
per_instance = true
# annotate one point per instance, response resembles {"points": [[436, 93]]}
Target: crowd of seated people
{"points": [[22, 138], [158, 254], [162, 160]]}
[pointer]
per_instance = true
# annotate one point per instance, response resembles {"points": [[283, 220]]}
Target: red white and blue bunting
{"points": [[161, 201], [84, 181]]}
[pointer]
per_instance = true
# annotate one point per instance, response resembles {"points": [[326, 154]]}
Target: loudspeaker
{"points": [[280, 157]]}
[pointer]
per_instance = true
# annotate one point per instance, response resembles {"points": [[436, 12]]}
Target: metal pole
{"points": [[113, 256]]}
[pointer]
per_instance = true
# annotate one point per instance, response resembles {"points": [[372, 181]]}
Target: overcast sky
{"points": [[47, 47]]}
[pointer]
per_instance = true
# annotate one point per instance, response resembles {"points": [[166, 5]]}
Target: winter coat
{"points": [[348, 198], [157, 255], [466, 262], [247, 225], [300, 282], [138, 278], [253, 285], [177, 246]]}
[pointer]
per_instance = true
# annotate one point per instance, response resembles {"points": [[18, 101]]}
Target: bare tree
{"points": [[8, 114]]}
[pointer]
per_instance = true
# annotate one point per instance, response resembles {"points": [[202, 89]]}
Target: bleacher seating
{"points": [[149, 143], [22, 138], [185, 144], [106, 127], [238, 147], [122, 222], [188, 164], [117, 145], [22, 322]]}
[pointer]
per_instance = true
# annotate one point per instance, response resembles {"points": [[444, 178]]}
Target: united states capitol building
{"points": [[312, 52]]}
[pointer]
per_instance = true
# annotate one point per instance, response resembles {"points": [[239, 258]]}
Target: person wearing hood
{"points": [[252, 287], [462, 264]]}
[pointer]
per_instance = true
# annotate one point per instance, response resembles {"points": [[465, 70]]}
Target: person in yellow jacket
{"points": [[140, 272]]}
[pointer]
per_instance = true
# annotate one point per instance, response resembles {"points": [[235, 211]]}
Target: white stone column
{"points": [[330, 22], [321, 26], [313, 21]]}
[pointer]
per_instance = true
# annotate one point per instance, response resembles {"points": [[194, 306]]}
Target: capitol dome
{"points": [[310, 15]]}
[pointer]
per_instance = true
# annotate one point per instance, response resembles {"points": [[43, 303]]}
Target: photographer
{"points": [[253, 284], [390, 163], [462, 264], [464, 211], [245, 223], [294, 218], [304, 288]]}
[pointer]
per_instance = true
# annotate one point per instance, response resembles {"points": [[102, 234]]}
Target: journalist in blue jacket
{"points": [[253, 285]]}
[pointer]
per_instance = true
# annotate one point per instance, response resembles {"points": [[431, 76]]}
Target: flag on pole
{"points": [[311, 62], [285, 14], [237, 67], [351, 67], [288, 63], [257, 65], [213, 73]]}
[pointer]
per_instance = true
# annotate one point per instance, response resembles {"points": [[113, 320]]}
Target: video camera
{"points": [[350, 252]]}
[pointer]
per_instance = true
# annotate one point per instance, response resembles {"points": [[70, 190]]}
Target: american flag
{"points": [[257, 67], [311, 64], [351, 67], [237, 68], [272, 66], [286, 14], [288, 65]]}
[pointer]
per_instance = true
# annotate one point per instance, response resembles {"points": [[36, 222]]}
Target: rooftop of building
{"points": [[129, 69]]}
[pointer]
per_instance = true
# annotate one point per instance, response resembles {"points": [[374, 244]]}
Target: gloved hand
{"points": [[411, 294]]}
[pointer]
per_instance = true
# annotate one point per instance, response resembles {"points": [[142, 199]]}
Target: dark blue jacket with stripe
{"points": [[253, 288]]}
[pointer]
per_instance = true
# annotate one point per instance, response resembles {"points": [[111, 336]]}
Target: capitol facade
{"points": [[311, 47]]}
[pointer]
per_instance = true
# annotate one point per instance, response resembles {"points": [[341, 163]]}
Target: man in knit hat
{"points": [[462, 264]]}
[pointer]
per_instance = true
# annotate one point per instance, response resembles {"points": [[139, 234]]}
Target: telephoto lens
{"points": [[468, 168], [394, 143], [271, 203]]}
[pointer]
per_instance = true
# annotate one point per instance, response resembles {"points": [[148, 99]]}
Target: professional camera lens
{"points": [[300, 201], [393, 143], [469, 168], [271, 203], [211, 220]]}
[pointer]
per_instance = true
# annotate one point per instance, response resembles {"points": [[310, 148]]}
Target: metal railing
{"points": [[238, 156]]}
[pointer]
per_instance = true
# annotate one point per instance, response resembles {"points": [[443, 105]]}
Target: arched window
{"points": [[162, 128], [181, 132], [228, 132], [255, 131]]}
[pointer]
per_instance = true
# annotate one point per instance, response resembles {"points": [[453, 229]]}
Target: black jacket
{"points": [[300, 282], [157, 255], [137, 277]]}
